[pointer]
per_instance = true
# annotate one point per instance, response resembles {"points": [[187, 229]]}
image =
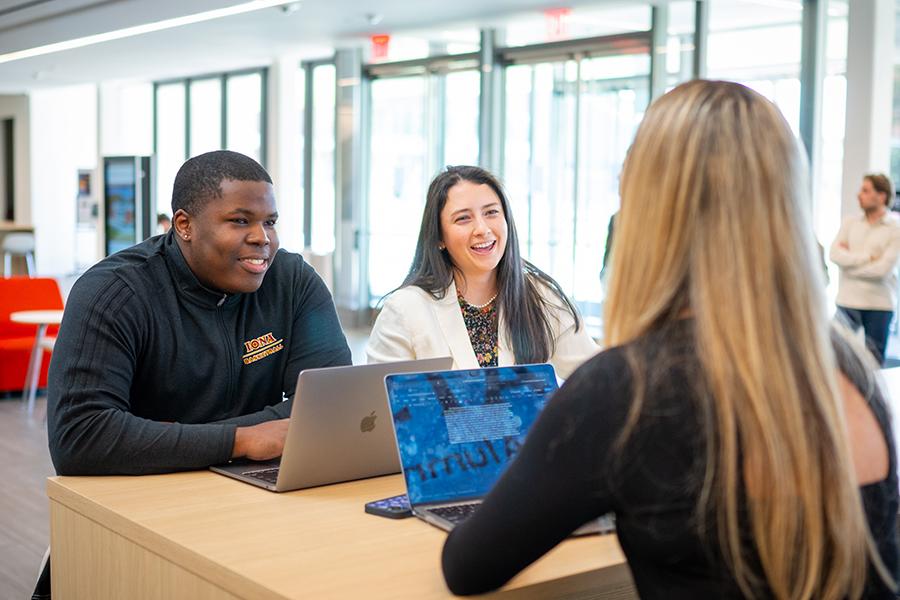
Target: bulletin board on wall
{"points": [[88, 209]]}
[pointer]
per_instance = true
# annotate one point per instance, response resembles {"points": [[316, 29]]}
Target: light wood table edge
{"points": [[609, 581], [178, 555]]}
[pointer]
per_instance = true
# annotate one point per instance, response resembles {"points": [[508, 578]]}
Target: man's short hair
{"points": [[200, 178], [881, 183]]}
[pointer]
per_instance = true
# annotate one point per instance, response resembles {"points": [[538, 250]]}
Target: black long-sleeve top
{"points": [[570, 470], [153, 372]]}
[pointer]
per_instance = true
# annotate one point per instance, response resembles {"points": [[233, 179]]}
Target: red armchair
{"points": [[16, 340]]}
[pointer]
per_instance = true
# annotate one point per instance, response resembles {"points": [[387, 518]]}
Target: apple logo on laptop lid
{"points": [[368, 423]]}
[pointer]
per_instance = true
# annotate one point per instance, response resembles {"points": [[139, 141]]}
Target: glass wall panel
{"points": [[827, 183], [462, 93], [519, 175], [550, 240], [419, 124], [323, 196], [773, 32], [399, 173], [615, 93], [244, 115], [300, 95], [202, 128], [680, 46], [895, 128], [206, 115], [568, 127], [170, 141]]}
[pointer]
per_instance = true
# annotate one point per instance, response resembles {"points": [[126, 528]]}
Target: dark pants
{"points": [[876, 325], [42, 589]]}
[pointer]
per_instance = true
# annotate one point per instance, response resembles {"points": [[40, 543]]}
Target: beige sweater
{"points": [[868, 263]]}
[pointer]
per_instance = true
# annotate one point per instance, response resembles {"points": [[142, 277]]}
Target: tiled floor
{"points": [[24, 511]]}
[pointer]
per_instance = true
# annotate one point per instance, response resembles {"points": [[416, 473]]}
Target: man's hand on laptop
{"points": [[260, 442]]}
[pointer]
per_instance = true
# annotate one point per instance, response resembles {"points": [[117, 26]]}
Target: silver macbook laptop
{"points": [[339, 429], [458, 430]]}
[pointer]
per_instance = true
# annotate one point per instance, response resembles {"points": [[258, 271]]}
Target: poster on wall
{"points": [[120, 204], [127, 194], [87, 204]]}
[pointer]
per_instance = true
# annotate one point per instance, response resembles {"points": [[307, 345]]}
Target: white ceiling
{"points": [[249, 39], [256, 38]]}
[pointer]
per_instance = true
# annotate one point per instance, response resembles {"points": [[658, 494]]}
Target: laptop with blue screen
{"points": [[458, 430]]}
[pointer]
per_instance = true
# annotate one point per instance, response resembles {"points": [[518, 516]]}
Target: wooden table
{"points": [[200, 535], [11, 226], [43, 319]]}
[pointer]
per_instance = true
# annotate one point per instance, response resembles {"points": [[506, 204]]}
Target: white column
{"points": [[284, 149], [350, 256], [63, 140], [870, 79]]}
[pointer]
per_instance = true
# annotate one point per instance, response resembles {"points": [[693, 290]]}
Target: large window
{"points": [[188, 120], [322, 228], [169, 141], [399, 170], [568, 126], [680, 42], [245, 115], [773, 31], [828, 176], [575, 85], [206, 115], [419, 124]]}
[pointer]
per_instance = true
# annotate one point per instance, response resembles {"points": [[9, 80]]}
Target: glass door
{"points": [[615, 93], [568, 126], [540, 162], [419, 124], [399, 169]]}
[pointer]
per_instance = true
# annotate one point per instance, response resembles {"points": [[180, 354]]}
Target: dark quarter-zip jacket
{"points": [[153, 372]]}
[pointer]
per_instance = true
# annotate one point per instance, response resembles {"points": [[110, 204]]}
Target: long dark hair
{"points": [[524, 309]]}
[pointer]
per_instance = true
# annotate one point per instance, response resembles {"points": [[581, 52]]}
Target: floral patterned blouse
{"points": [[482, 324]]}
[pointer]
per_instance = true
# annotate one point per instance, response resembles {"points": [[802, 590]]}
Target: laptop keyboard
{"points": [[455, 513], [267, 475]]}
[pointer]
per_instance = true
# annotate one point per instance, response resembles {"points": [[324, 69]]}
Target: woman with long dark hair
{"points": [[744, 451], [470, 294]]}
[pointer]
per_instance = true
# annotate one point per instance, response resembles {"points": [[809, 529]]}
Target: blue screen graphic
{"points": [[457, 430]]}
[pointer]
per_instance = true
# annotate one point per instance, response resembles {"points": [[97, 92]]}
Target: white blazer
{"points": [[413, 325]]}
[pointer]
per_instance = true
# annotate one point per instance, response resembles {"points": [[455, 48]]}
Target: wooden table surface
{"points": [[314, 543], [12, 227]]}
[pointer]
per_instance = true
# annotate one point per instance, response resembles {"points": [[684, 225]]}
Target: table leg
{"points": [[33, 374]]}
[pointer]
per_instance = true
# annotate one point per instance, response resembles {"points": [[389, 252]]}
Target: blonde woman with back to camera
{"points": [[742, 447]]}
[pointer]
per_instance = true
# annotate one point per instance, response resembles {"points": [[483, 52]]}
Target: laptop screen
{"points": [[457, 430]]}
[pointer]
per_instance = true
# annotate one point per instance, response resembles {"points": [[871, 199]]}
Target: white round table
{"points": [[43, 319]]}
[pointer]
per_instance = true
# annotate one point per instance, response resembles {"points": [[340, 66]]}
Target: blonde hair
{"points": [[713, 223]]}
